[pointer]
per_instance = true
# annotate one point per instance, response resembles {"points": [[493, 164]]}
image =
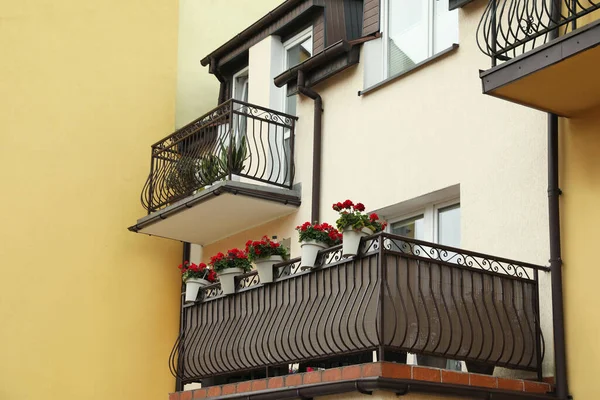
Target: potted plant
{"points": [[265, 253], [182, 176], [210, 170], [234, 162], [228, 266], [313, 238], [355, 224], [195, 277]]}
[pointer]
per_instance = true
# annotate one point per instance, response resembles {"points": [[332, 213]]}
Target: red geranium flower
{"points": [[359, 207]]}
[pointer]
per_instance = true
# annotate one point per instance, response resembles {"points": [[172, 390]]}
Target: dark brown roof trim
{"points": [[319, 59], [236, 188], [251, 30], [398, 386]]}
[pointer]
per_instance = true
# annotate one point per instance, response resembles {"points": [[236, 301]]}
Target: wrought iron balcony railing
{"points": [[399, 295], [236, 139], [509, 28]]}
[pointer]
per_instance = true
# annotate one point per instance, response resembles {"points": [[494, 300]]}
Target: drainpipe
{"points": [[316, 173], [212, 68], [560, 357]]}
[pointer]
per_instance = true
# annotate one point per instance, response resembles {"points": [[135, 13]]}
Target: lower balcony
{"points": [[231, 169], [397, 296], [548, 52]]}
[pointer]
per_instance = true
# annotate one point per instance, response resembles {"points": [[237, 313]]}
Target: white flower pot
{"points": [[192, 286], [264, 266], [310, 250], [351, 240], [227, 278]]}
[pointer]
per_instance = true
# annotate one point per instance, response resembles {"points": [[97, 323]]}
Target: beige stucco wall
{"points": [[204, 25], [428, 131]]}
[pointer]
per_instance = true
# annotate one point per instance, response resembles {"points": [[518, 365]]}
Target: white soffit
{"points": [[215, 218]]}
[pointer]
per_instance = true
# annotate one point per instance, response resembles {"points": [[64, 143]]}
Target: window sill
{"points": [[418, 66]]}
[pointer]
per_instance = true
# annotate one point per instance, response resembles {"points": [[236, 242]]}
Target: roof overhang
{"points": [[330, 61], [559, 77], [222, 210]]}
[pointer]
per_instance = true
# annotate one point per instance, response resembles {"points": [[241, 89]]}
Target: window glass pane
{"points": [[407, 34], [449, 226], [294, 56], [445, 26], [412, 228], [299, 53]]}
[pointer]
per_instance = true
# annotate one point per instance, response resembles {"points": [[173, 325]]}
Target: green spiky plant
{"points": [[183, 177], [210, 169], [239, 154]]}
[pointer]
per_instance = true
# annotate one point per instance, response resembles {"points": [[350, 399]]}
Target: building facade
{"points": [[378, 102]]}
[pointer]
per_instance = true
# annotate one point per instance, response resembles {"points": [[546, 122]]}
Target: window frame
{"points": [[385, 23], [430, 214], [297, 39], [241, 72]]}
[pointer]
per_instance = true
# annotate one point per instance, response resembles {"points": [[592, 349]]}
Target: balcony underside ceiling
{"points": [[220, 211], [560, 76]]}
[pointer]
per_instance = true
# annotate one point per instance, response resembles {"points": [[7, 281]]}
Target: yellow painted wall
{"points": [[580, 214], [88, 310], [205, 25]]}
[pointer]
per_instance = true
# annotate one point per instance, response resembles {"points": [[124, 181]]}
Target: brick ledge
{"points": [[412, 376]]}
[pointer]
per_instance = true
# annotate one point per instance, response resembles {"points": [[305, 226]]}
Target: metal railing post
{"points": [[382, 277], [231, 133], [292, 140], [151, 184]]}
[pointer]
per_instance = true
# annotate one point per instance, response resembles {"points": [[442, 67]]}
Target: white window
{"points": [[297, 50], [414, 30], [437, 223], [240, 92]]}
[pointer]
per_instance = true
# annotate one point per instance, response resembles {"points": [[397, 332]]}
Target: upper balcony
{"points": [[235, 164], [398, 296], [548, 51]]}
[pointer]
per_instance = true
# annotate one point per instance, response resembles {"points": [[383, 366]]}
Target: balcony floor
{"points": [[558, 77], [220, 211]]}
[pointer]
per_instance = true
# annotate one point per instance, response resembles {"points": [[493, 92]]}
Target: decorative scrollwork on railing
{"points": [[234, 139], [509, 28], [449, 255], [330, 256], [287, 268], [212, 291], [247, 280]]}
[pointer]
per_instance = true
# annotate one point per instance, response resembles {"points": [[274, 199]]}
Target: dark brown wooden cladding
{"points": [[335, 22], [400, 295], [286, 19], [319, 34], [371, 17], [353, 12]]}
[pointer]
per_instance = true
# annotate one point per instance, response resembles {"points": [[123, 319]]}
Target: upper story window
{"points": [[297, 50], [240, 85], [415, 30], [437, 223]]}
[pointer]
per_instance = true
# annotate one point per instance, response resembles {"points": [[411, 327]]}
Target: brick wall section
{"points": [[381, 369]]}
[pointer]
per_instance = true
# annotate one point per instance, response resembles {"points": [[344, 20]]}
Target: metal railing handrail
{"points": [[509, 28]]}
